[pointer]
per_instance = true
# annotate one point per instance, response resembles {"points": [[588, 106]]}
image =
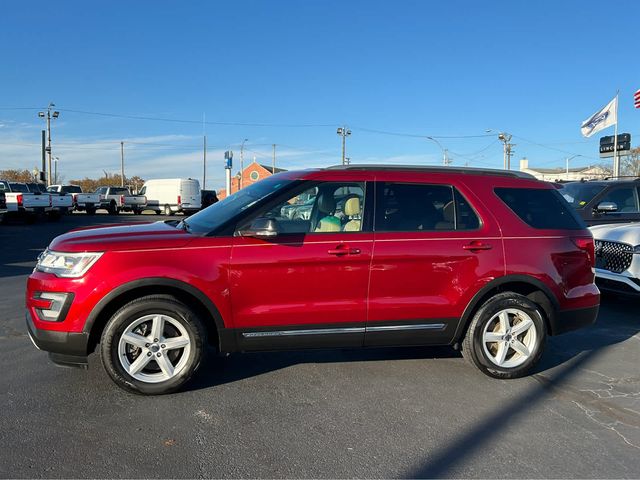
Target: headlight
{"points": [[68, 265]]}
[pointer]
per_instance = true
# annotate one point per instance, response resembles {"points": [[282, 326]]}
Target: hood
{"points": [[625, 233], [121, 237]]}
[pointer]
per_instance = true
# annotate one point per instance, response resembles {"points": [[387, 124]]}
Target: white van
{"points": [[171, 195]]}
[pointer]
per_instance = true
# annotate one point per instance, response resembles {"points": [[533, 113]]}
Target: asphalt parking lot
{"points": [[413, 412]]}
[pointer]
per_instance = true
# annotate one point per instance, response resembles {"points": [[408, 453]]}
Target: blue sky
{"points": [[447, 69]]}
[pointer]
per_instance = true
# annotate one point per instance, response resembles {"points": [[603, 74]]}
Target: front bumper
{"points": [[622, 283], [568, 320], [65, 348]]}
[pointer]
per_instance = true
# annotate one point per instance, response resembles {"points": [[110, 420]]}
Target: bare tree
{"points": [[630, 164]]}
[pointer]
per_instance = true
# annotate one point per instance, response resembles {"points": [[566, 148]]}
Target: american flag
{"points": [[636, 99]]}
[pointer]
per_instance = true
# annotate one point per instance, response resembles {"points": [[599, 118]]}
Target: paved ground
{"points": [[417, 412]]}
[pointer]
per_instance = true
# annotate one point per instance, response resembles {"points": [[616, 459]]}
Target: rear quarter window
{"points": [[541, 208]]}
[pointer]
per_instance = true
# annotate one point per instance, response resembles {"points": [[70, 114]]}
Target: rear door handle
{"points": [[477, 246], [343, 251]]}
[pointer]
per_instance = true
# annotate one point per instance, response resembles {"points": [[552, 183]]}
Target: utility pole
{"points": [[445, 157], [204, 161], [505, 138], [273, 160], [48, 116], [44, 148], [344, 132], [204, 151], [240, 182], [122, 164], [55, 170]]}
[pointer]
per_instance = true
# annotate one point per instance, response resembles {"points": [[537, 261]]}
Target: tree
{"points": [[108, 180], [630, 164], [23, 176]]}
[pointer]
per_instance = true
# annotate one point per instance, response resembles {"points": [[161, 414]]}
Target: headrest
{"points": [[352, 206], [326, 203], [448, 212]]}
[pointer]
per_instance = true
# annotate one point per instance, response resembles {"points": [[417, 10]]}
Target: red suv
{"points": [[490, 262]]}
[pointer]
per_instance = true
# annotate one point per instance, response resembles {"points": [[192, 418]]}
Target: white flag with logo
{"points": [[606, 117]]}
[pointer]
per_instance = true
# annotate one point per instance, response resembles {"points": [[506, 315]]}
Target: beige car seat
{"points": [[352, 210]]}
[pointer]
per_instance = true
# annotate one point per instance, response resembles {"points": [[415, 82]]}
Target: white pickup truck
{"points": [[88, 202], [120, 199], [22, 202], [61, 204]]}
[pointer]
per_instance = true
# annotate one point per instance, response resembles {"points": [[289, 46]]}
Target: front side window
{"points": [[410, 207], [318, 207], [625, 199]]}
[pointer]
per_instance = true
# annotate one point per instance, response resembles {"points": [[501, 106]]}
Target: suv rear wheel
{"points": [[153, 345], [506, 336]]}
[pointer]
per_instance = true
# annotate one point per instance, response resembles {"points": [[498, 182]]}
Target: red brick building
{"points": [[253, 173]]}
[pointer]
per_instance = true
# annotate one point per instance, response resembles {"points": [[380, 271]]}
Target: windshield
{"points": [[219, 213], [579, 194]]}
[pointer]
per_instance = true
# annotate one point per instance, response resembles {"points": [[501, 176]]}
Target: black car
{"points": [[604, 201]]}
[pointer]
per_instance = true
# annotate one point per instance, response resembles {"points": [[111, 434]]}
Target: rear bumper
{"points": [[65, 348], [568, 320]]}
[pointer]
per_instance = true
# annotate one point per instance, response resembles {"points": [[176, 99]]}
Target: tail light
{"points": [[75, 200], [121, 199], [19, 200], [586, 244], [179, 200]]}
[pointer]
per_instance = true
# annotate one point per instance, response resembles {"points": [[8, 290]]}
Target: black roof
{"points": [[436, 169]]}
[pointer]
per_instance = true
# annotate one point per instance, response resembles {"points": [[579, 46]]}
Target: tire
{"points": [[113, 209], [505, 358], [137, 212], [168, 211], [158, 212], [141, 316], [91, 211]]}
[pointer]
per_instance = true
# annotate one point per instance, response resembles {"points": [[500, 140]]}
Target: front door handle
{"points": [[338, 251], [477, 245]]}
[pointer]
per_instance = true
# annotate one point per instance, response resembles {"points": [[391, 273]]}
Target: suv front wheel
{"points": [[506, 336], [153, 345]]}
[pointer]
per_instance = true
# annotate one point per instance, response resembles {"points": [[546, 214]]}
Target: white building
{"points": [[554, 174]]}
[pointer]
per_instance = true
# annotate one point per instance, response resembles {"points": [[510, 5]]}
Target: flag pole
{"points": [[616, 158]]}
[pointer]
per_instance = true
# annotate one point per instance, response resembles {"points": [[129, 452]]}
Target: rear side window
{"points": [[541, 208], [411, 207]]}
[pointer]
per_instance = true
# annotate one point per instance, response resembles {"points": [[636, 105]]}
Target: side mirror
{"points": [[261, 228], [604, 207]]}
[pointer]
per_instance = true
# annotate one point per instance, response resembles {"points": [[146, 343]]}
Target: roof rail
{"points": [[436, 169]]}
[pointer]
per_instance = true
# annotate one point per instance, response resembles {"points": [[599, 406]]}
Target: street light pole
{"points": [[445, 158], [567, 163], [240, 183], [55, 175], [344, 132], [48, 116], [505, 138]]}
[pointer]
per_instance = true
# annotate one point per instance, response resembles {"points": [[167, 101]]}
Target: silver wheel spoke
{"points": [[504, 321], [139, 363], [502, 353], [520, 347], [157, 326], [490, 337], [522, 327], [135, 339], [165, 365], [175, 342]]}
